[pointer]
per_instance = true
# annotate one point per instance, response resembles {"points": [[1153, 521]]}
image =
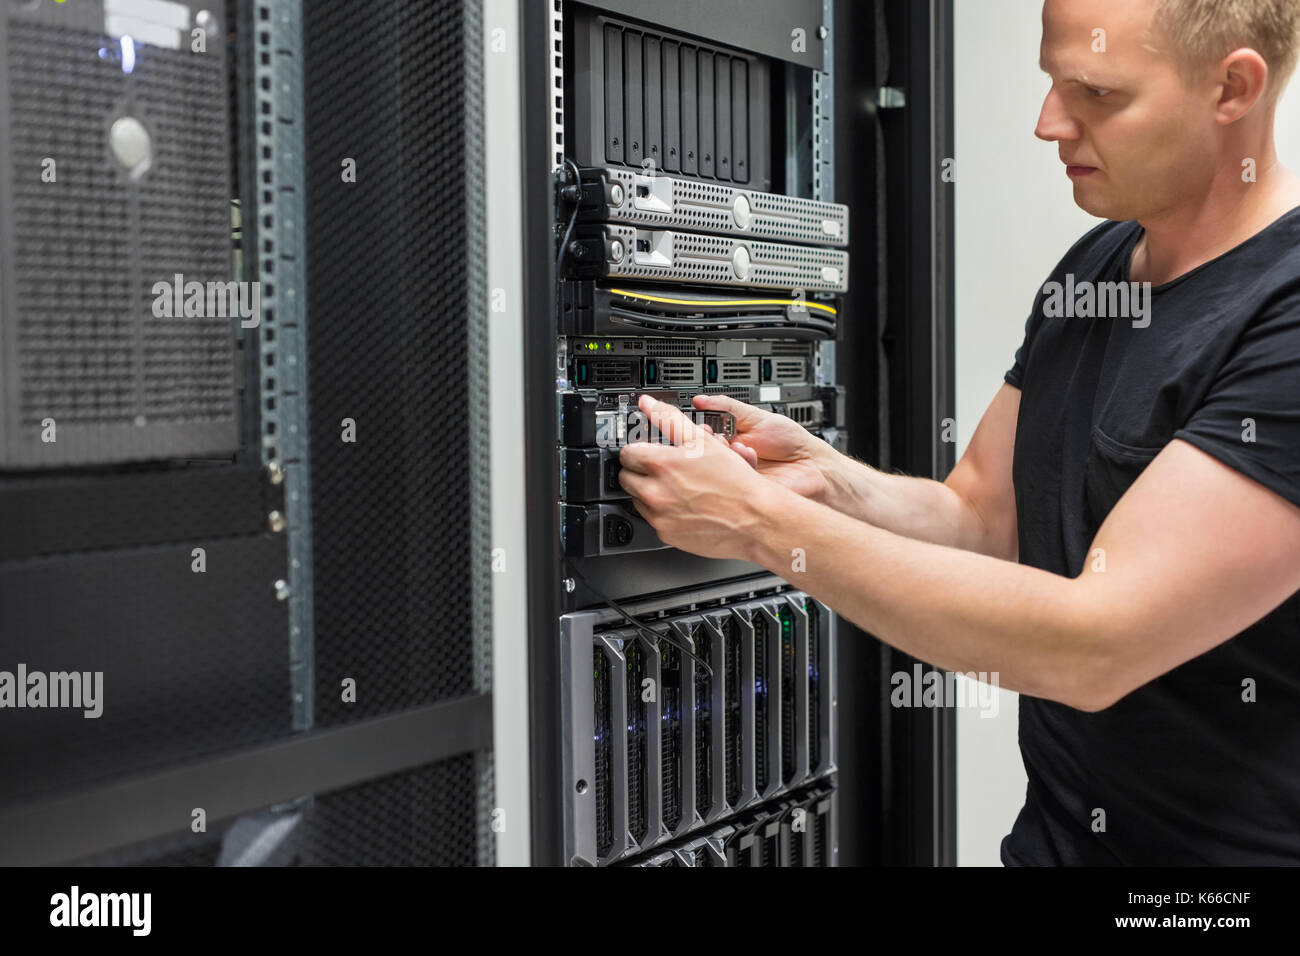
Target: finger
{"points": [[644, 456], [669, 421], [746, 415], [633, 482], [644, 510], [745, 452]]}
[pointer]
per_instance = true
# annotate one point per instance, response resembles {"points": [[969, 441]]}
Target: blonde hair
{"points": [[1202, 32]]}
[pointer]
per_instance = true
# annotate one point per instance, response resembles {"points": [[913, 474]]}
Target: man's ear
{"points": [[1243, 78]]}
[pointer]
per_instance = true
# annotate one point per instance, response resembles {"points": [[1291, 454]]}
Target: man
{"points": [[1121, 540]]}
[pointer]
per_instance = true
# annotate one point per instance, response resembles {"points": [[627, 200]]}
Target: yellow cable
{"points": [[654, 298]]}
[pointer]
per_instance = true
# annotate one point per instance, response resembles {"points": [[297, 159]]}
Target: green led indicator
{"points": [[608, 346]]}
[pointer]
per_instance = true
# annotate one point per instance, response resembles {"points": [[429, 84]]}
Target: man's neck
{"points": [[1180, 239]]}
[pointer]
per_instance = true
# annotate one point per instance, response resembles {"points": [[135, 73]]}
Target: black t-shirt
{"points": [[1186, 771]]}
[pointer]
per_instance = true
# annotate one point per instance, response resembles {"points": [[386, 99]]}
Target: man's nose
{"points": [[1054, 121]]}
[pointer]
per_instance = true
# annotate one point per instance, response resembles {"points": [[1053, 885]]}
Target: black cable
{"points": [[573, 217], [640, 625]]}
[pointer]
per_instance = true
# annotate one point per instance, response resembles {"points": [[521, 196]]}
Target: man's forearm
{"points": [[955, 609], [919, 508]]}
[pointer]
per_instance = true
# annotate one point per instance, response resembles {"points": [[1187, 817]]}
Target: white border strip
{"points": [[503, 148]]}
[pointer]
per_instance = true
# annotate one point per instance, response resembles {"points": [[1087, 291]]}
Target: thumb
{"points": [[746, 416]]}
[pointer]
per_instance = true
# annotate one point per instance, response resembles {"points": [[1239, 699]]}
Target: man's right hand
{"points": [[776, 446]]}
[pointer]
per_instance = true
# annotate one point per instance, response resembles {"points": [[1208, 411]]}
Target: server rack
{"points": [[892, 777]]}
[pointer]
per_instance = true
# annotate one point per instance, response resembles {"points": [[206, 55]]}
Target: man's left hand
{"points": [[698, 494]]}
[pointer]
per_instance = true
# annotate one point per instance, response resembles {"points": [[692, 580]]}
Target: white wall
{"points": [[1015, 219]]}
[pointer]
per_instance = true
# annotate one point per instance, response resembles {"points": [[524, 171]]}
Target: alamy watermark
{"points": [[129, 910], [934, 688], [1098, 300], [57, 689], [192, 300]]}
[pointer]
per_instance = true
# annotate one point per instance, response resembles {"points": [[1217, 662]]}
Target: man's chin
{"points": [[1094, 203]]}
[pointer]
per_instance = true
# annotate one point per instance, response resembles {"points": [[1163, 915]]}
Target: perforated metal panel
{"points": [[192, 665], [419, 817], [395, 332], [84, 244]]}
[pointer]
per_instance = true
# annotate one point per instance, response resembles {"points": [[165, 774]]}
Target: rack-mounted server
{"points": [[615, 251], [611, 194], [624, 309], [659, 742]]}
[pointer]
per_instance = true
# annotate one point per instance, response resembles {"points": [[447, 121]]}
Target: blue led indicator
{"points": [[128, 54]]}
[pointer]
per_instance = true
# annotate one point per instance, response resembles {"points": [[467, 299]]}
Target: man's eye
{"points": [[1093, 91]]}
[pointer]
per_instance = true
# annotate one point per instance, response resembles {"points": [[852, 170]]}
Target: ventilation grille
{"points": [[119, 382], [185, 227], [738, 371], [786, 623], [703, 724], [709, 260], [761, 716], [604, 754], [608, 373], [821, 837], [396, 511], [797, 829], [637, 770], [78, 313], [731, 701], [697, 206], [808, 414], [741, 853], [813, 609], [203, 672], [679, 372], [801, 349], [740, 393], [789, 370], [701, 747], [674, 348], [420, 817], [671, 720]]}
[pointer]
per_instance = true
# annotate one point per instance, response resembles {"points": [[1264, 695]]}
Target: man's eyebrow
{"points": [[1082, 78]]}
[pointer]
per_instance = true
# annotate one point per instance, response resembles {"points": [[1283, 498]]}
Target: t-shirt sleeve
{"points": [[1016, 374], [1250, 417]]}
